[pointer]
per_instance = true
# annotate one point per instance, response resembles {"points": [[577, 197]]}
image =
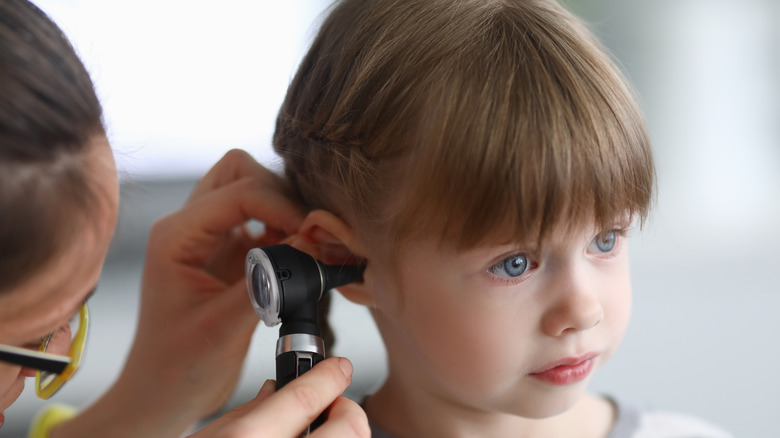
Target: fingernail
{"points": [[268, 386], [346, 367]]}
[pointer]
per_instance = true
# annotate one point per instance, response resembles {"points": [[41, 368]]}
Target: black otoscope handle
{"points": [[295, 355], [293, 364]]}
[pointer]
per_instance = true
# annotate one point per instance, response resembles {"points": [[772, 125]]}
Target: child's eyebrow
{"points": [[519, 245], [527, 242]]}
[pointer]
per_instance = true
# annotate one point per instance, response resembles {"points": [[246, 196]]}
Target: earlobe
{"points": [[334, 242], [358, 293]]}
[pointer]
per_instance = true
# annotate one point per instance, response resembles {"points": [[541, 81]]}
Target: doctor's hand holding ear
{"points": [[196, 323]]}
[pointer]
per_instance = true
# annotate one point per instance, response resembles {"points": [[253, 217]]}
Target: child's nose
{"points": [[576, 308]]}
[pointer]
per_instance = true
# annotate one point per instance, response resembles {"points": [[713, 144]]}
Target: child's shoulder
{"points": [[634, 422]]}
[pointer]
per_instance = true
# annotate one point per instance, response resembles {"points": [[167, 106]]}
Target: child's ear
{"points": [[334, 242]]}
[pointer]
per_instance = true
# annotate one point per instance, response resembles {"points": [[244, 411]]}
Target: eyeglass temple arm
{"points": [[51, 363]]}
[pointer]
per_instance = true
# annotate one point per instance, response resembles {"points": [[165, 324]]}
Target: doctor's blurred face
{"points": [[47, 301]]}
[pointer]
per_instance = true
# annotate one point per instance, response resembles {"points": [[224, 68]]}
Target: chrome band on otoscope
{"points": [[300, 342]]}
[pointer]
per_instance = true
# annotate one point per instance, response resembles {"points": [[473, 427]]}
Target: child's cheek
{"points": [[617, 302], [466, 357], [470, 346]]}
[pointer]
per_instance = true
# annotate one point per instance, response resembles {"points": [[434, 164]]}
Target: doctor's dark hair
{"points": [[49, 116], [469, 120]]}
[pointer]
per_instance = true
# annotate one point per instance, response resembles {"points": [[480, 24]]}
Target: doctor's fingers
{"points": [[202, 224], [227, 261], [291, 409], [346, 419], [234, 165]]}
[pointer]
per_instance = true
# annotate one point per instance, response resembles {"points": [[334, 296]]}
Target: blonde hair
{"points": [[463, 118]]}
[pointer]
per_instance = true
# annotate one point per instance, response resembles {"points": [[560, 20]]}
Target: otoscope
{"points": [[285, 286]]}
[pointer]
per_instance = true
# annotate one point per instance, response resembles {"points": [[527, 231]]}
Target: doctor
{"points": [[58, 210]]}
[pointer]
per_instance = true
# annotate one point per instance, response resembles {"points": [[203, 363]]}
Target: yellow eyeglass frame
{"points": [[47, 388]]}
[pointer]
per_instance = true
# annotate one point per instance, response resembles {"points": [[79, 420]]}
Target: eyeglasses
{"points": [[58, 357]]}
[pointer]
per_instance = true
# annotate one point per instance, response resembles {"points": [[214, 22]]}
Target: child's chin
{"points": [[549, 405]]}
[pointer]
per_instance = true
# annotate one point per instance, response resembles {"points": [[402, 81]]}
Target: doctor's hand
{"points": [[196, 320], [289, 411]]}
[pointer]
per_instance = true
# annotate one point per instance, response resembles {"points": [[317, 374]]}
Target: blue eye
{"points": [[604, 242], [510, 267]]}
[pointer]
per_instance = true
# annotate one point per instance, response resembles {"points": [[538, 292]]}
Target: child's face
{"points": [[504, 328]]}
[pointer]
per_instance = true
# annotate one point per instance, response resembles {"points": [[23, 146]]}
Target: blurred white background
{"points": [[183, 82]]}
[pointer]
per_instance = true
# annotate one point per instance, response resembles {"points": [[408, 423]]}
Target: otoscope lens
{"points": [[263, 287]]}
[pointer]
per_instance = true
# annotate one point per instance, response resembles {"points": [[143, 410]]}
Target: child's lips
{"points": [[567, 370]]}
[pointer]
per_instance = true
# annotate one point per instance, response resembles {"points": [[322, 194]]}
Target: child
{"points": [[485, 160]]}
